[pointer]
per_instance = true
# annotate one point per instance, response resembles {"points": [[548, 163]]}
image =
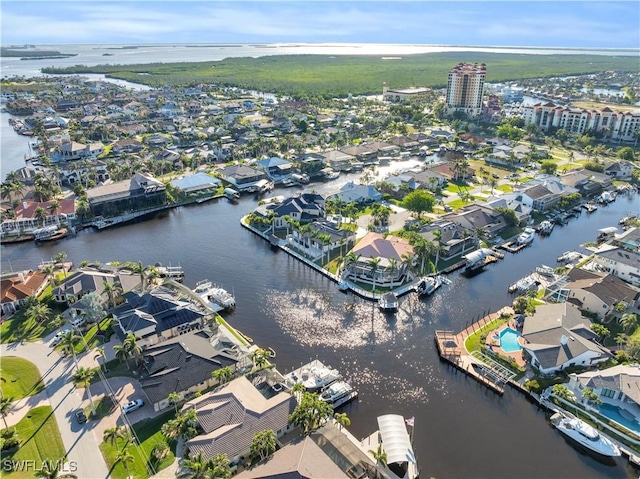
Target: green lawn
{"points": [[19, 378], [90, 336], [505, 188], [473, 342], [39, 441], [148, 431], [21, 328]]}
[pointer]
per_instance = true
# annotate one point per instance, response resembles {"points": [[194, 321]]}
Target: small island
{"points": [[32, 54]]}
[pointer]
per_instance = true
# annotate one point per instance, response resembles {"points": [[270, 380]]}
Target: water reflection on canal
{"points": [[462, 430]]}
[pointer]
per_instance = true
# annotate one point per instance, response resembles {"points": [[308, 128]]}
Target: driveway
{"points": [[81, 445]]}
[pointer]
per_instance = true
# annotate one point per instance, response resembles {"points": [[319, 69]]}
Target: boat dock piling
{"points": [[513, 247]]}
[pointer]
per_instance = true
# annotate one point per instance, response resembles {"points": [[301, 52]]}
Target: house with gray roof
{"points": [[232, 415], [622, 262], [557, 336], [310, 457], [158, 315], [199, 183], [184, 364], [277, 169], [598, 292], [618, 387], [303, 208], [137, 193], [92, 280], [242, 177], [352, 192], [476, 218], [338, 160]]}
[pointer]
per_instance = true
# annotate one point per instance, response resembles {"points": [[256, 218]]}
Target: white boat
{"points": [[388, 302], [428, 285], [231, 194], [585, 435], [338, 394], [546, 227], [526, 236], [218, 298], [569, 257], [522, 285], [314, 376]]}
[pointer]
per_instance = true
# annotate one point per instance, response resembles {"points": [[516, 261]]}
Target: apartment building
{"points": [[465, 87]]}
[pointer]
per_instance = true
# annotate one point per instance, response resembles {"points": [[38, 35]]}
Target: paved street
{"points": [[80, 442]]}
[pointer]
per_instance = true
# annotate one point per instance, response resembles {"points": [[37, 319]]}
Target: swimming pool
{"points": [[613, 413], [509, 340]]}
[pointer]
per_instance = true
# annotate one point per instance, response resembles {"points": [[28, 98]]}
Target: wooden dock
{"points": [[513, 246], [451, 349]]}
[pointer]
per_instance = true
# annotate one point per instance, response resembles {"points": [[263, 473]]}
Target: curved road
{"points": [[84, 457]]}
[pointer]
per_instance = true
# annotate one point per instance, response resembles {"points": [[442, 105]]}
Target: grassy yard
{"points": [[91, 338], [19, 378], [148, 431], [473, 342], [21, 328], [505, 188], [39, 441]]}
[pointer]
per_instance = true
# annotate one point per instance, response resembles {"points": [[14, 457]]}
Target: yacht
{"points": [[526, 236], [314, 376], [428, 285], [569, 257], [218, 298], [585, 435], [388, 302], [338, 394], [546, 227]]}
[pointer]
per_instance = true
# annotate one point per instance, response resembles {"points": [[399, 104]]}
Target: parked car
{"points": [[496, 176], [81, 417], [79, 321], [56, 339], [132, 406]]}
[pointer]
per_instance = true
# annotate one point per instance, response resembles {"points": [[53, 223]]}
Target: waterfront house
{"points": [[139, 192], [241, 177], [92, 280], [15, 288], [582, 181], [513, 202], [557, 336], [198, 183], [391, 254], [157, 316], [621, 256], [184, 365], [452, 238], [277, 169], [329, 451], [476, 219], [353, 192], [322, 238], [129, 145], [597, 292], [302, 209], [232, 415], [617, 387], [25, 220], [338, 160]]}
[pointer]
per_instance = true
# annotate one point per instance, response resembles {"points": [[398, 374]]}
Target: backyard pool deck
{"points": [[451, 348]]}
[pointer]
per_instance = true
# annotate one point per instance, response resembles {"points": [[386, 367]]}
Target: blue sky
{"points": [[607, 24]]}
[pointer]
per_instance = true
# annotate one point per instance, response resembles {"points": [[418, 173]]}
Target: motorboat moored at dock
{"points": [[584, 434], [428, 285], [314, 376], [338, 393], [219, 299], [526, 236], [388, 302]]}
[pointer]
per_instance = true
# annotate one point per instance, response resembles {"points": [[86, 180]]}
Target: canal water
{"points": [[462, 430]]}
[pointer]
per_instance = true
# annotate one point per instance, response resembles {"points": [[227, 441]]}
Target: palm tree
{"points": [[122, 354], [373, 265], [259, 357], [82, 377], [68, 342], [263, 444], [629, 321], [342, 419], [40, 214], [5, 406], [113, 291], [393, 266], [562, 391], [51, 470], [100, 351], [112, 434], [379, 456], [54, 206], [310, 413], [39, 312], [133, 348], [223, 375], [621, 339], [173, 398], [125, 458], [195, 468]]}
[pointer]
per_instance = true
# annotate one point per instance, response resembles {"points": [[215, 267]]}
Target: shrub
{"points": [[533, 385]]}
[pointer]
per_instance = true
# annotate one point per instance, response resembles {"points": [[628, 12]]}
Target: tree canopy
{"points": [[419, 201]]}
